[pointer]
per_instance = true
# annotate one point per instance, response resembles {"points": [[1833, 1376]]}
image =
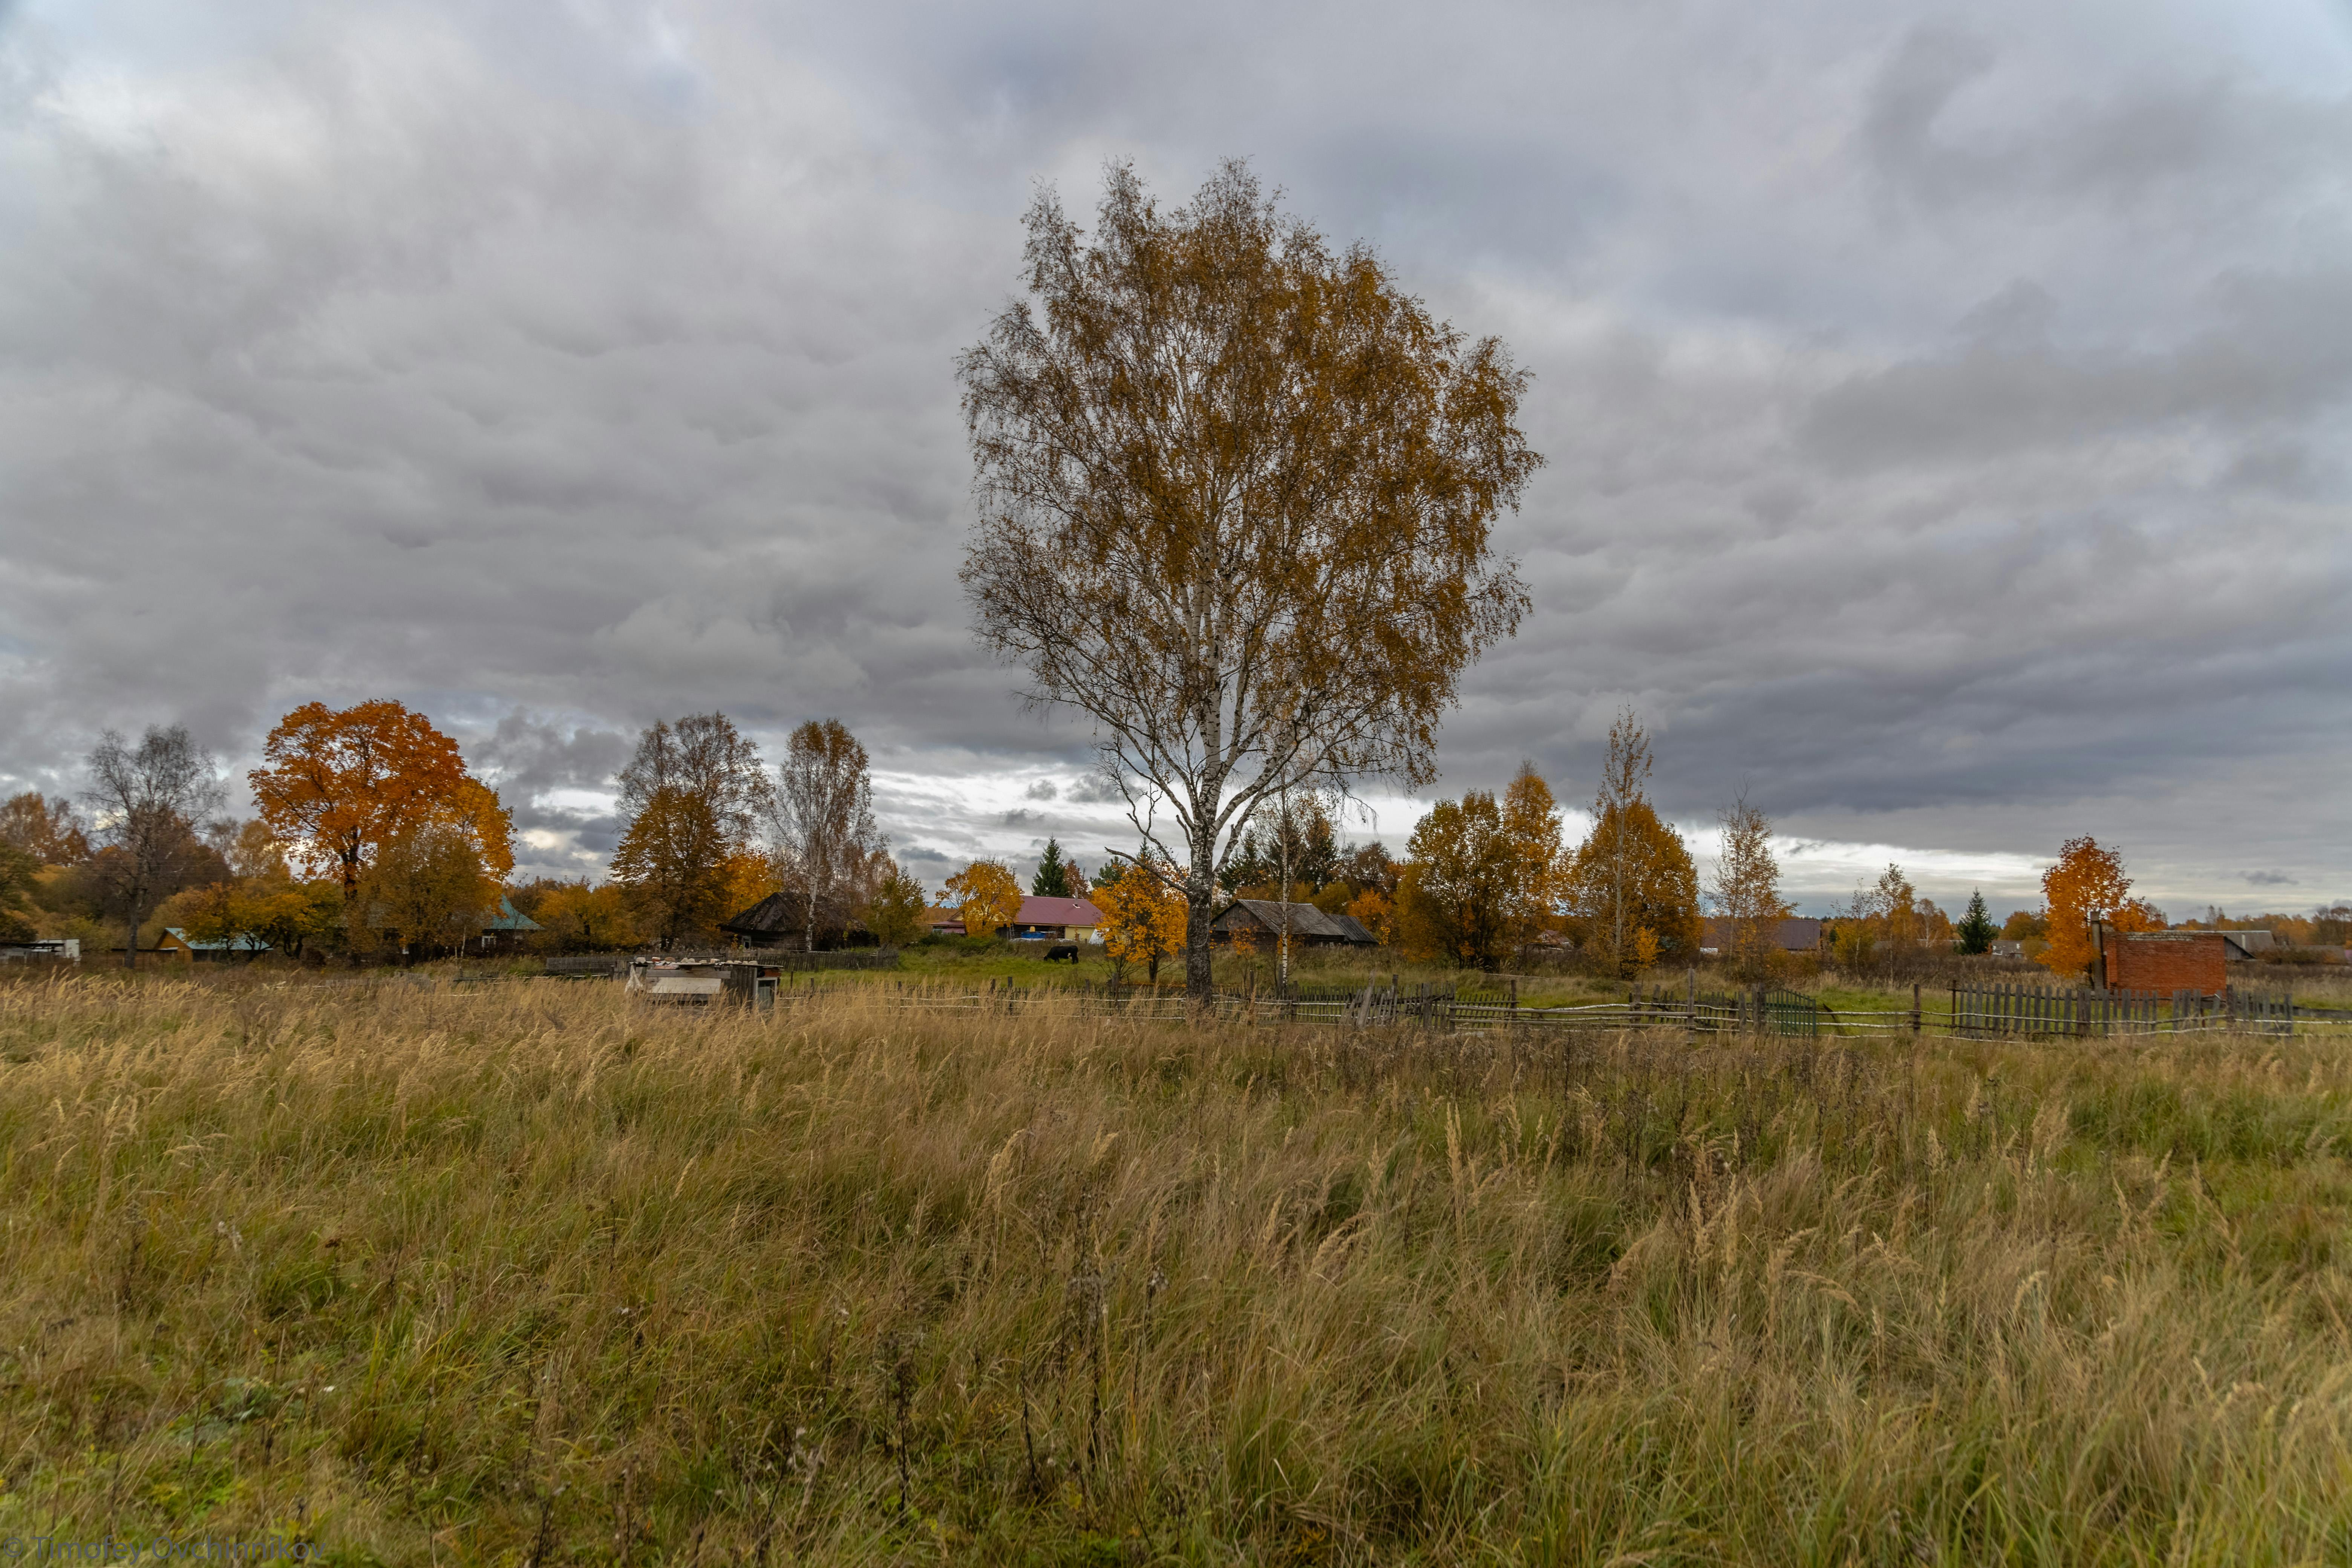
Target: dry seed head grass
{"points": [[525, 1271]]}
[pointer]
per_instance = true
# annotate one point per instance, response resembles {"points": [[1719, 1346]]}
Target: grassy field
{"points": [[1022, 963], [517, 1273], [1025, 964]]}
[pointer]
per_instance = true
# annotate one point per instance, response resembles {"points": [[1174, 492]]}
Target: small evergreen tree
{"points": [[1976, 929], [1053, 877]]}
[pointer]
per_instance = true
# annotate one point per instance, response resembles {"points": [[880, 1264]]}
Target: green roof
{"points": [[510, 919], [239, 944]]}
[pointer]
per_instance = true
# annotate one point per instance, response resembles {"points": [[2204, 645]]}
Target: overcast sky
{"points": [[1945, 406]]}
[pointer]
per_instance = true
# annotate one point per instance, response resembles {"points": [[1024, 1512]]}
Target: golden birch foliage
{"points": [[828, 851], [694, 793], [262, 901], [1482, 877], [1236, 490], [1747, 888], [748, 877], [1531, 823], [987, 895], [1633, 873], [1883, 917]]}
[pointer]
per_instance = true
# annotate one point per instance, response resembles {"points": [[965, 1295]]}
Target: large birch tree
{"points": [[827, 848], [1236, 492]]}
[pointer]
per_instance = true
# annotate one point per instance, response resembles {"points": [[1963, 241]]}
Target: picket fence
{"points": [[2049, 1010]]}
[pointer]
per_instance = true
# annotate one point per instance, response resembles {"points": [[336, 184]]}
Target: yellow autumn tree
{"points": [[1143, 917], [1376, 912], [426, 892], [578, 918], [1632, 888], [694, 793], [986, 896], [1236, 490], [1456, 898], [894, 911], [1538, 864], [1747, 890], [2087, 885]]}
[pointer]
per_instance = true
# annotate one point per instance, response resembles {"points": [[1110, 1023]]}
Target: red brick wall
{"points": [[2172, 962]]}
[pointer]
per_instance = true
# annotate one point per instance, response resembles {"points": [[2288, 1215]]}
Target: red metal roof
{"points": [[1057, 913]]}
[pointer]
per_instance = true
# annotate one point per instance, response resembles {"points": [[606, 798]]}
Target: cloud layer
{"points": [[1944, 418]]}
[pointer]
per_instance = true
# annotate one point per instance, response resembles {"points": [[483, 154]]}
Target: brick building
{"points": [[2166, 961]]}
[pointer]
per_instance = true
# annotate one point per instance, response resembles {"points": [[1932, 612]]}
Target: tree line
{"points": [[1236, 494], [1486, 877], [373, 838]]}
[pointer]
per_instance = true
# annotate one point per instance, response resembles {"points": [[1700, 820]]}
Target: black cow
{"points": [[1061, 953]]}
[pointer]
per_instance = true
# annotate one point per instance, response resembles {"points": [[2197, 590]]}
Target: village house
{"points": [[1265, 919], [771, 922], [1057, 919], [54, 947], [177, 944], [1040, 920], [504, 927], [1794, 935], [2244, 946]]}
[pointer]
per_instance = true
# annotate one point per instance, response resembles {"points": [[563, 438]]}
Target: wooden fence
{"points": [[1976, 1011], [2049, 1011], [598, 965]]}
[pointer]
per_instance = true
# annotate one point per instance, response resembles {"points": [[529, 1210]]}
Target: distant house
{"points": [[178, 944], [504, 927], [65, 947], [1265, 918], [1788, 935], [771, 922], [1045, 919], [2245, 945], [1059, 919]]}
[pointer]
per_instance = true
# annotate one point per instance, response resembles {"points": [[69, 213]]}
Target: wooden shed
{"points": [[1265, 918]]}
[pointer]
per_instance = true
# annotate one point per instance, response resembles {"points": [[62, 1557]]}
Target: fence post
{"points": [[1914, 1006]]}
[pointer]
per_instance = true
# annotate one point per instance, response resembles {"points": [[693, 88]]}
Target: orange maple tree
{"points": [[2088, 884], [339, 785]]}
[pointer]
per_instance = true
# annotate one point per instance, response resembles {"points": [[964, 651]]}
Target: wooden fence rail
{"points": [[2049, 1011]]}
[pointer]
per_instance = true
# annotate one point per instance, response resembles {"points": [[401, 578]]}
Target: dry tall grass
{"points": [[518, 1273]]}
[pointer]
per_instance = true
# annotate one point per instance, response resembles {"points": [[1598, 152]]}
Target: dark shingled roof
{"points": [[1305, 920], [771, 915]]}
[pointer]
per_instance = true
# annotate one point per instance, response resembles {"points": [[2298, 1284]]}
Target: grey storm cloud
{"points": [[1944, 413]]}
